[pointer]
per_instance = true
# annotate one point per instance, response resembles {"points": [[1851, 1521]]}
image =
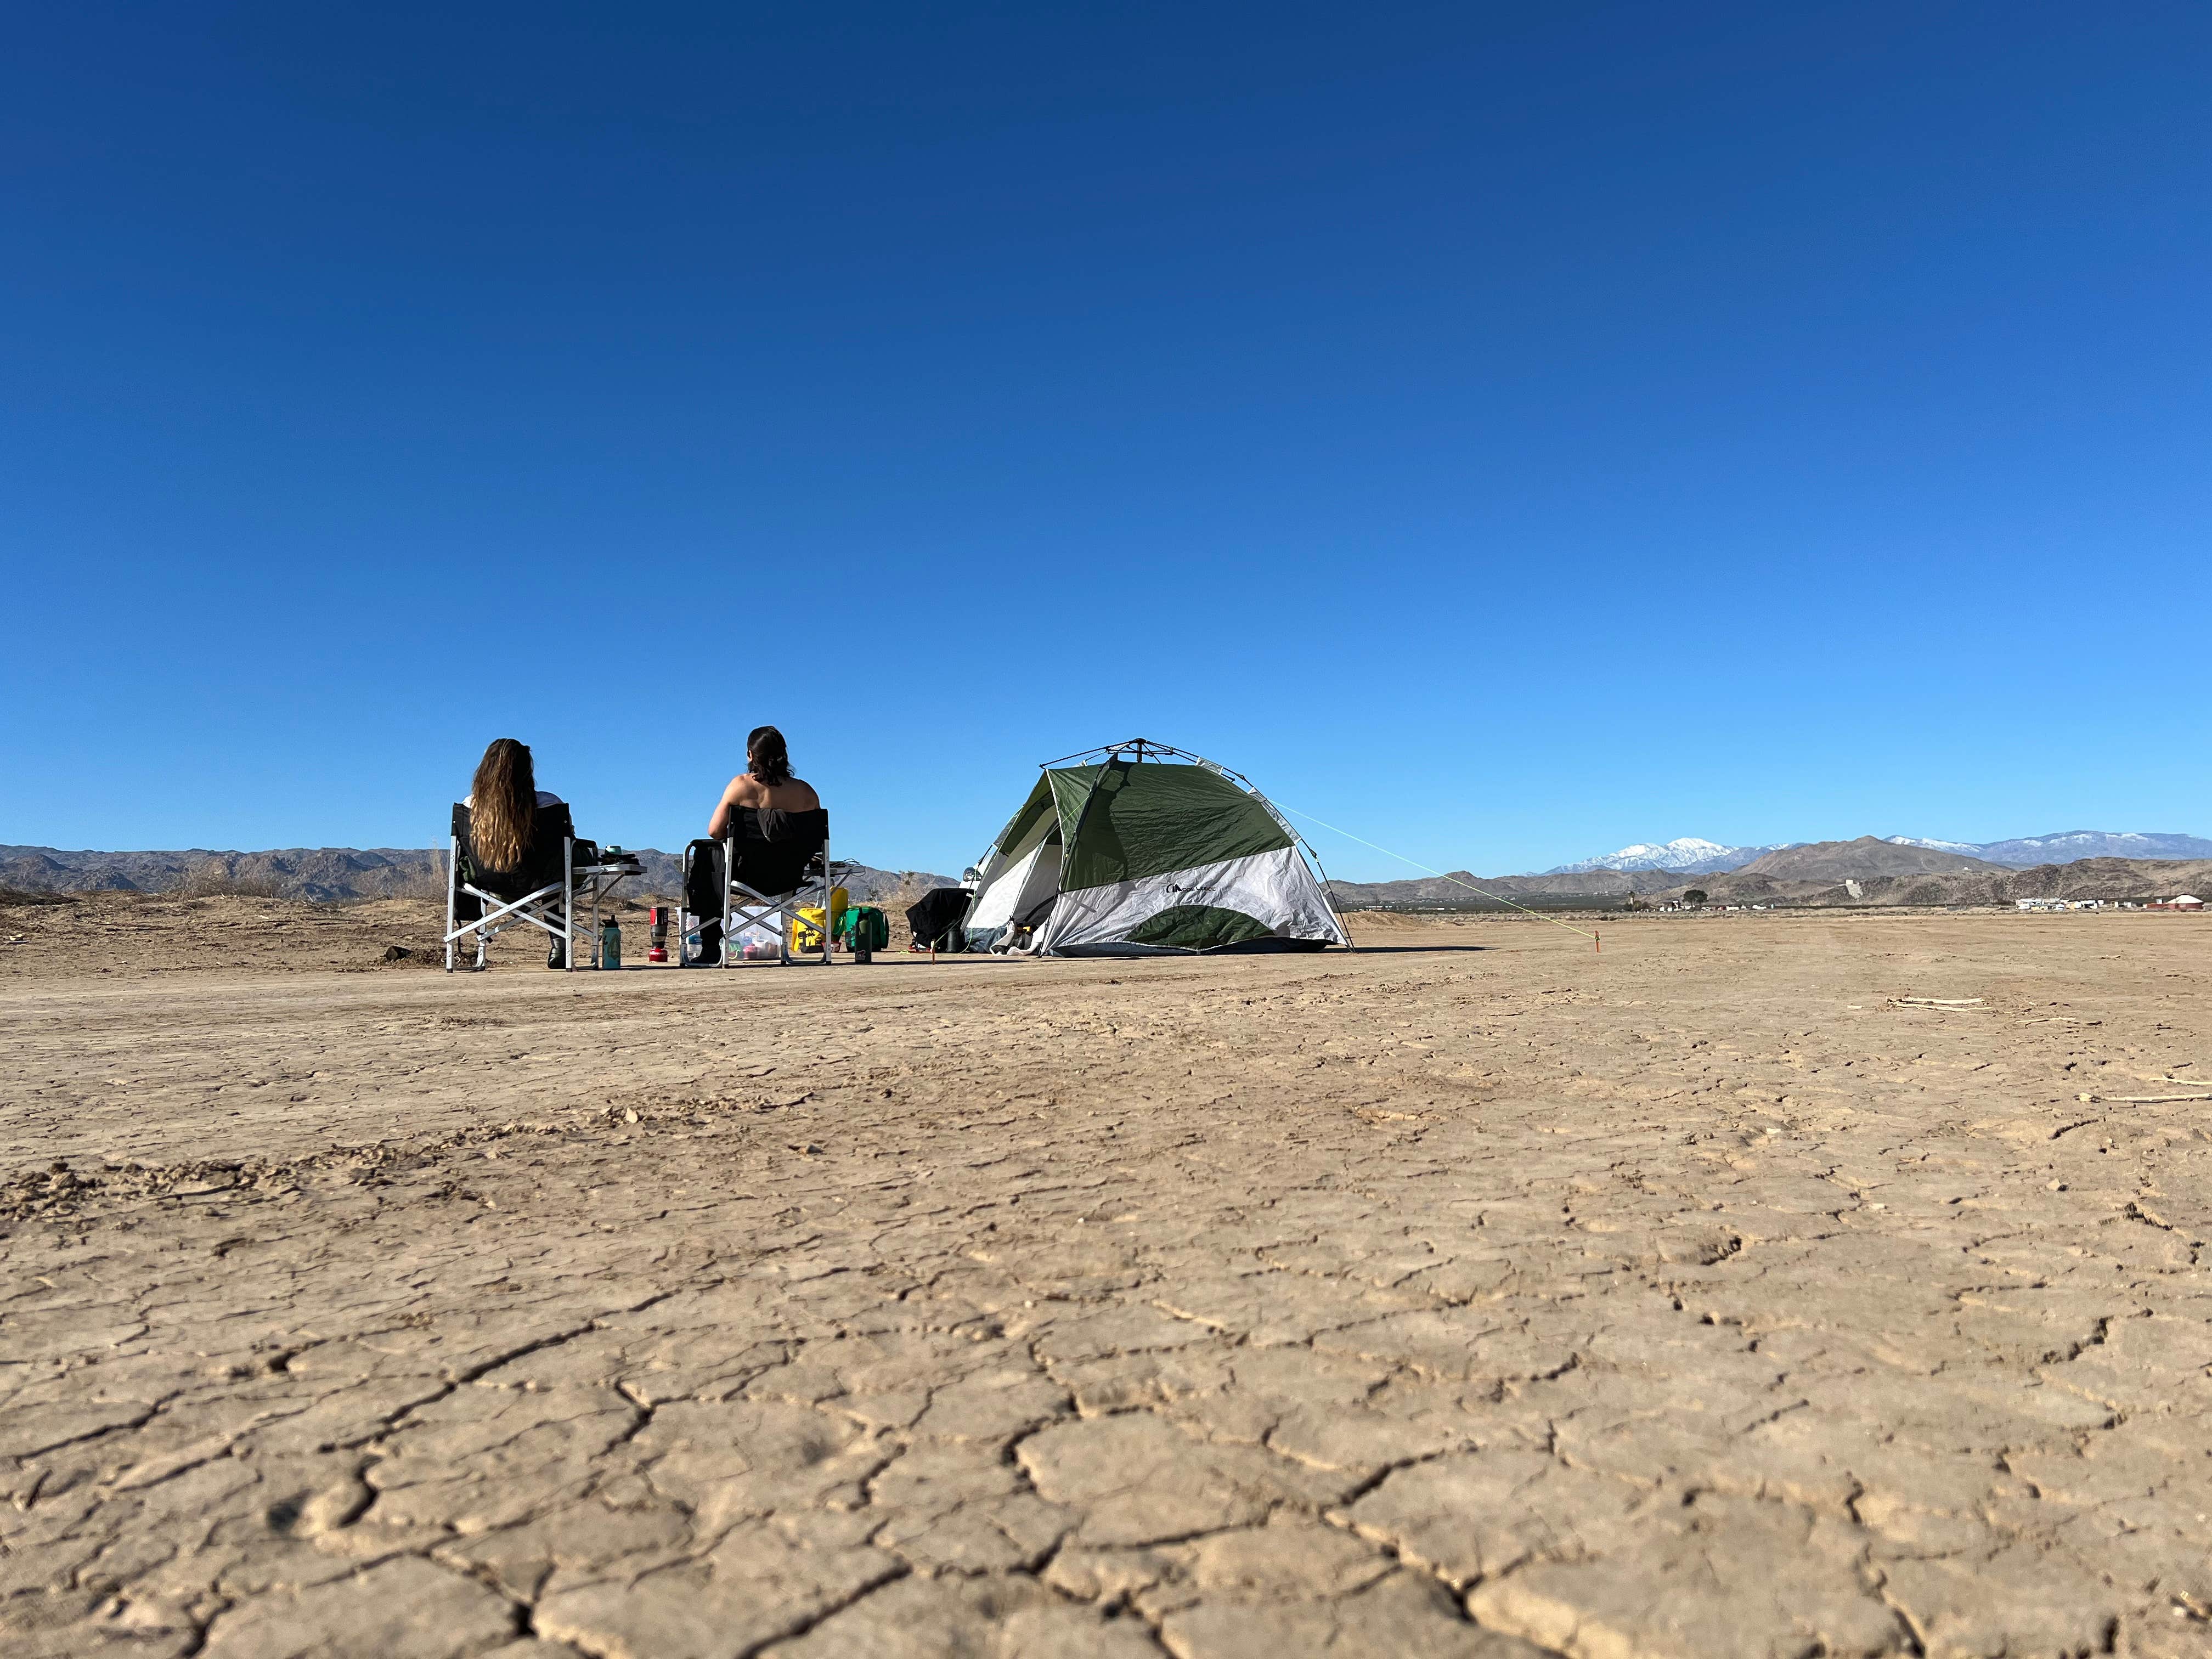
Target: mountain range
{"points": [[334, 874], [1869, 871], [1869, 855], [1694, 857], [2074, 844], [1890, 869], [1690, 855]]}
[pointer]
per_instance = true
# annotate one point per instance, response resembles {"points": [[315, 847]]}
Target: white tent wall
{"points": [[1276, 888], [1009, 894], [1000, 878], [1041, 885]]}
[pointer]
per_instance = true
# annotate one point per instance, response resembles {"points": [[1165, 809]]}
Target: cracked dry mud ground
{"points": [[1694, 1299]]}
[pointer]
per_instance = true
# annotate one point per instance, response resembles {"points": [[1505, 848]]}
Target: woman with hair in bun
{"points": [[766, 782], [765, 786]]}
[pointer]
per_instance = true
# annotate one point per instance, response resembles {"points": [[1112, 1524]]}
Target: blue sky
{"points": [[1505, 431]]}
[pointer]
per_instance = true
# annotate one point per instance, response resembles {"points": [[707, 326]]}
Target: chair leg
{"points": [[683, 955], [452, 876], [729, 872]]}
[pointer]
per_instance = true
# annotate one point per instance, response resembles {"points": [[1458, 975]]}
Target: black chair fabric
{"points": [[936, 919], [776, 849], [542, 860], [702, 881]]}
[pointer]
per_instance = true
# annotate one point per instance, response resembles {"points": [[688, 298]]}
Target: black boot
{"points": [[558, 956]]}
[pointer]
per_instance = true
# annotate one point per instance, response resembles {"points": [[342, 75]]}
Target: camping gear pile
{"points": [[1138, 849]]}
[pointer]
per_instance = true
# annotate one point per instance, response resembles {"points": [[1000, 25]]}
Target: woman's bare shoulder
{"points": [[803, 798]]}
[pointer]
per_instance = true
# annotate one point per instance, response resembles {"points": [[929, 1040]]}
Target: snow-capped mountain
{"points": [[1971, 849], [1693, 856], [1688, 853], [2065, 847]]}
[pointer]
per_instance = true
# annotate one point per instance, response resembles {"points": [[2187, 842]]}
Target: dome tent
{"points": [[1139, 849]]}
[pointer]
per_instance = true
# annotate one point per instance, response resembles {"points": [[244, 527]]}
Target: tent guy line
{"points": [[1439, 874]]}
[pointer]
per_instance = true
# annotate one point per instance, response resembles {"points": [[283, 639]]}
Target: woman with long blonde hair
{"points": [[503, 804]]}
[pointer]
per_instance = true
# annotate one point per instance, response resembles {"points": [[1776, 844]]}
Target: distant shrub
{"points": [[213, 879], [419, 882]]}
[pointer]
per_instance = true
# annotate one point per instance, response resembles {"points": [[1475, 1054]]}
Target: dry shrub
{"points": [[419, 884], [213, 879]]}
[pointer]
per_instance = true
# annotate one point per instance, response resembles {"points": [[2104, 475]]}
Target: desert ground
{"points": [[1472, 1293]]}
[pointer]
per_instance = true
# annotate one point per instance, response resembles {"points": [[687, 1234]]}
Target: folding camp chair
{"points": [[557, 871], [771, 866]]}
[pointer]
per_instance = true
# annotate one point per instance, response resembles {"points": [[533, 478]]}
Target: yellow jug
{"points": [[807, 927]]}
